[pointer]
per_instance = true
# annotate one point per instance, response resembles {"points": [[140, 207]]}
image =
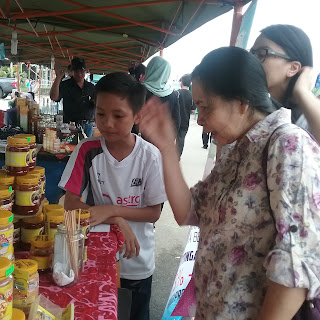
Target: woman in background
{"points": [[285, 52]]}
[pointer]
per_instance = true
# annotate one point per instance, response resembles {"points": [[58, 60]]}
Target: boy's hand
{"points": [[131, 243], [99, 214]]}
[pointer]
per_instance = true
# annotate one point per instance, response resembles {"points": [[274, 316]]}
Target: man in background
{"points": [[77, 94], [185, 101]]}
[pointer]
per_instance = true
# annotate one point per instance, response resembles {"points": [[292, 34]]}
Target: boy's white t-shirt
{"points": [[136, 181]]}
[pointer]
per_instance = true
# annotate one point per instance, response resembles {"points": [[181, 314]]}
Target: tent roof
{"points": [[109, 37]]}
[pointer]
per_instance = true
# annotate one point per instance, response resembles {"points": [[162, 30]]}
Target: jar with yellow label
{"points": [[17, 156], [26, 284], [6, 180], [33, 148], [16, 233], [30, 228], [54, 218], [42, 252], [6, 234], [6, 287], [6, 201], [27, 195], [85, 225], [41, 172], [18, 314]]}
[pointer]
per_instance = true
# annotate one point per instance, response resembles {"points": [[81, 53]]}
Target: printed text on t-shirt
{"points": [[130, 201]]}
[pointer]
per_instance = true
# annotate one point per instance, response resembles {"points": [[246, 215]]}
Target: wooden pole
{"points": [[236, 23], [18, 77]]}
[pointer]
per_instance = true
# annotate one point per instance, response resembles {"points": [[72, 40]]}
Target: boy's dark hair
{"points": [[234, 73], [137, 71], [125, 86], [186, 80]]}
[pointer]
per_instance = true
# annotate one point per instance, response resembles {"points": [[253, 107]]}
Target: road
{"points": [[170, 238]]}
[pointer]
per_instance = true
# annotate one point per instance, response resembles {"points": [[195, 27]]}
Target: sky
{"points": [[186, 53]]}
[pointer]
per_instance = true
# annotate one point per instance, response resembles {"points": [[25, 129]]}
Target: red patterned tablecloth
{"points": [[95, 296]]}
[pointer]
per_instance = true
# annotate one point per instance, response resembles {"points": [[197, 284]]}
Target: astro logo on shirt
{"points": [[136, 182]]}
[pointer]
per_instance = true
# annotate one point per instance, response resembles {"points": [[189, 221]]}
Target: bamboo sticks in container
{"points": [[73, 245]]}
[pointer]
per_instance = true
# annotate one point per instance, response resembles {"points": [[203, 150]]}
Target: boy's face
{"points": [[114, 117]]}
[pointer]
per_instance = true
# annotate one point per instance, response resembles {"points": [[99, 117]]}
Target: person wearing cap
{"points": [[77, 94]]}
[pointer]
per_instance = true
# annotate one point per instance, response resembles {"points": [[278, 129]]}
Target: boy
{"points": [[119, 177]]}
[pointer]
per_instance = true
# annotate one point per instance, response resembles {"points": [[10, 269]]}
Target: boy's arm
{"points": [[73, 201], [102, 213]]}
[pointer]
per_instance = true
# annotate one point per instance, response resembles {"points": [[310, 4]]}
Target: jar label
{"points": [[28, 234], [6, 244], [7, 206], [86, 231], [43, 187], [52, 232], [27, 198], [26, 287], [17, 159], [43, 262], [6, 301], [33, 155]]}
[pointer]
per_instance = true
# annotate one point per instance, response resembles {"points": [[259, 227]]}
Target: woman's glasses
{"points": [[262, 54]]}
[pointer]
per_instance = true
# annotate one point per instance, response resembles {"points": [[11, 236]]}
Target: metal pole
{"points": [[236, 23], [18, 77]]}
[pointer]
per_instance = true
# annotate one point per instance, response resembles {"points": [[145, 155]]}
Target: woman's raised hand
{"points": [[156, 124]]}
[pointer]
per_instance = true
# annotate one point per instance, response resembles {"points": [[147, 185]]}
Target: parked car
{"points": [[6, 86]]}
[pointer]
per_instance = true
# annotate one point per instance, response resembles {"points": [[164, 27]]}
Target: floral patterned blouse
{"points": [[239, 248]]}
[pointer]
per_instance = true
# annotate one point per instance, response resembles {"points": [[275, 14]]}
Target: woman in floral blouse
{"points": [[254, 261]]}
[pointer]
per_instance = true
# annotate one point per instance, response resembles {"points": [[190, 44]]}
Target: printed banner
{"points": [[183, 275]]}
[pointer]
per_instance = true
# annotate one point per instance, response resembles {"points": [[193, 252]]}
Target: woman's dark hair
{"points": [[292, 40], [123, 85], [297, 46], [234, 73]]}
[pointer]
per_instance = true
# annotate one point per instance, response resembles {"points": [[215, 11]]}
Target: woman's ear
{"points": [[295, 67], [137, 118], [244, 107]]}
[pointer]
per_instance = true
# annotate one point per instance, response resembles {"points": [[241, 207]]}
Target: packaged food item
{"points": [[6, 234], [18, 314], [41, 172], [16, 233], [33, 148], [30, 228], [6, 180], [17, 156], [27, 201], [6, 201], [85, 225], [42, 252], [56, 208], [6, 287], [26, 284], [55, 218]]}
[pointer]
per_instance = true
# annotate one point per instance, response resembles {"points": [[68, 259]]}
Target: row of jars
{"points": [[25, 234], [22, 194], [21, 154], [19, 287]]}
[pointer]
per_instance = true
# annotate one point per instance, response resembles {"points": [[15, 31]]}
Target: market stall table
{"points": [[95, 296]]}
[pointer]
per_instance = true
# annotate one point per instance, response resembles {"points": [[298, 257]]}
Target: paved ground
{"points": [[170, 238]]}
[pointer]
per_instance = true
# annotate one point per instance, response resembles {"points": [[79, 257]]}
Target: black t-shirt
{"points": [[185, 100], [77, 103], [174, 106]]}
